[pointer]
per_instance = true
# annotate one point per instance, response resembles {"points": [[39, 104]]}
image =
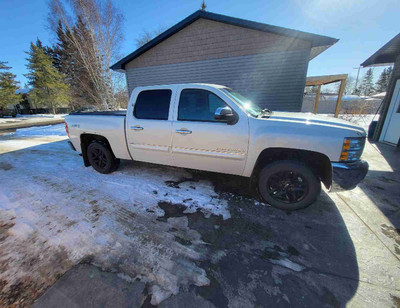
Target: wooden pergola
{"points": [[327, 79]]}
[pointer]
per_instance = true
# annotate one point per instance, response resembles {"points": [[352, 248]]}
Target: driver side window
{"points": [[198, 105]]}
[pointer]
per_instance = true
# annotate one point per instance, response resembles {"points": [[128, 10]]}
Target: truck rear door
{"points": [[149, 125]]}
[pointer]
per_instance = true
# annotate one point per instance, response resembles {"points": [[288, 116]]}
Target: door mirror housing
{"points": [[225, 114]]}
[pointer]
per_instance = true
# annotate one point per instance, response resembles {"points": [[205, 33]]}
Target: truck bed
{"points": [[108, 124], [120, 113]]}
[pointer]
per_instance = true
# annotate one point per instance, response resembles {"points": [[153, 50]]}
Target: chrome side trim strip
{"points": [[152, 147], [211, 153]]}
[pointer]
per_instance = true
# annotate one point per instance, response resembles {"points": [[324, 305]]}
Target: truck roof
{"points": [[183, 84]]}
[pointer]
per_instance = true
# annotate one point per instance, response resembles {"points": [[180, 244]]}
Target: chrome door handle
{"points": [[137, 128], [183, 131]]}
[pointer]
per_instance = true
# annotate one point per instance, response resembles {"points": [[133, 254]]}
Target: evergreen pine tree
{"points": [[70, 63], [3, 66], [367, 85], [49, 87], [50, 52], [8, 86], [380, 85], [389, 72]]}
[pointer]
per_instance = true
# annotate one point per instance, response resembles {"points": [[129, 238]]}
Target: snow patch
{"points": [[31, 118], [49, 130], [288, 264], [112, 219]]}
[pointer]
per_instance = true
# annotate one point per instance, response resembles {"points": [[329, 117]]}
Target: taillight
{"points": [[66, 128]]}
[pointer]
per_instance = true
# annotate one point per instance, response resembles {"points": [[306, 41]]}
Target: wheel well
{"points": [[319, 163], [87, 139]]}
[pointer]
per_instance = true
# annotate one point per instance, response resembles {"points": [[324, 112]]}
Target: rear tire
{"points": [[101, 158], [288, 185]]}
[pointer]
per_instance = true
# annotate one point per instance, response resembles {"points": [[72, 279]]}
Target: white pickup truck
{"points": [[213, 128]]}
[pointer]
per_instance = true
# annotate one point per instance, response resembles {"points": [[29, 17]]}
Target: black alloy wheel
{"points": [[288, 185], [101, 158]]}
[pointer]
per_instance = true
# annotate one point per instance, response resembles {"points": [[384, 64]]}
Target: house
{"points": [[388, 127], [266, 63]]}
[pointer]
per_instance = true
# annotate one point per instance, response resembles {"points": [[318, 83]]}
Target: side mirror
{"points": [[225, 114]]}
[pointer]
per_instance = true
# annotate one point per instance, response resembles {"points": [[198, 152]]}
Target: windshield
{"points": [[244, 102]]}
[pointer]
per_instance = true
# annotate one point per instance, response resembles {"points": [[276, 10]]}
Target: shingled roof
{"points": [[319, 43]]}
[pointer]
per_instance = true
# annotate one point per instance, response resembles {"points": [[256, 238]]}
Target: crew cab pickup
{"points": [[213, 128]]}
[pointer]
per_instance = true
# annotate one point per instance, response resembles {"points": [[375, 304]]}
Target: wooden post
{"points": [[339, 98], [317, 99]]}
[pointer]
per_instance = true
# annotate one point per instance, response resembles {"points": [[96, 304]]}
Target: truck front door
{"points": [[148, 127], [201, 142]]}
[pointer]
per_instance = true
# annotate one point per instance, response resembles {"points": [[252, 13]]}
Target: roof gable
{"points": [[206, 39], [319, 41]]}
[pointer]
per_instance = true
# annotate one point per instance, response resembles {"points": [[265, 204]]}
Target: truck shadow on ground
{"points": [[382, 186], [262, 256]]}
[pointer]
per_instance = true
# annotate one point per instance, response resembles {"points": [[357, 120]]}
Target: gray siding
{"points": [[206, 40], [273, 80]]}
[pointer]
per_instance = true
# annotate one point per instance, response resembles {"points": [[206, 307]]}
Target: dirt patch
{"points": [[171, 210], [5, 166], [223, 183], [396, 301], [213, 292], [4, 227], [391, 232], [26, 272], [175, 184], [96, 211]]}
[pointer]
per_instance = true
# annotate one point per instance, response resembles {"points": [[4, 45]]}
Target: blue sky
{"points": [[362, 26]]}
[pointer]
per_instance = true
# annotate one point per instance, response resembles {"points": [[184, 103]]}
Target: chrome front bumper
{"points": [[347, 175]]}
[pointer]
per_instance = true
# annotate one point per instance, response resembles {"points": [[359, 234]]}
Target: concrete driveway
{"points": [[343, 250]]}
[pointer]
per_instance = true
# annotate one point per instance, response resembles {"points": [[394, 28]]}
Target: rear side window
{"points": [[153, 104], [198, 105]]}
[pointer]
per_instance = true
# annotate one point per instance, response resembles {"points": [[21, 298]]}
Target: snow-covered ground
{"points": [[34, 117], [54, 213]]}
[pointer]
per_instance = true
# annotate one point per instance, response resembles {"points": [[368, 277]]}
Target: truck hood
{"points": [[310, 118]]}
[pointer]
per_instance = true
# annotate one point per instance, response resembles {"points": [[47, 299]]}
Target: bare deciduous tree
{"points": [[104, 25], [147, 36], [349, 87]]}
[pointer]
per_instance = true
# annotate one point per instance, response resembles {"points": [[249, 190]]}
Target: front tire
{"points": [[101, 158], [288, 185]]}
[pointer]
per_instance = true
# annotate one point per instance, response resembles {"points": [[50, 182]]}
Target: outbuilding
{"points": [[266, 63], [388, 127]]}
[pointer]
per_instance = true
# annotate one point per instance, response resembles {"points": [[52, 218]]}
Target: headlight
{"points": [[352, 148]]}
